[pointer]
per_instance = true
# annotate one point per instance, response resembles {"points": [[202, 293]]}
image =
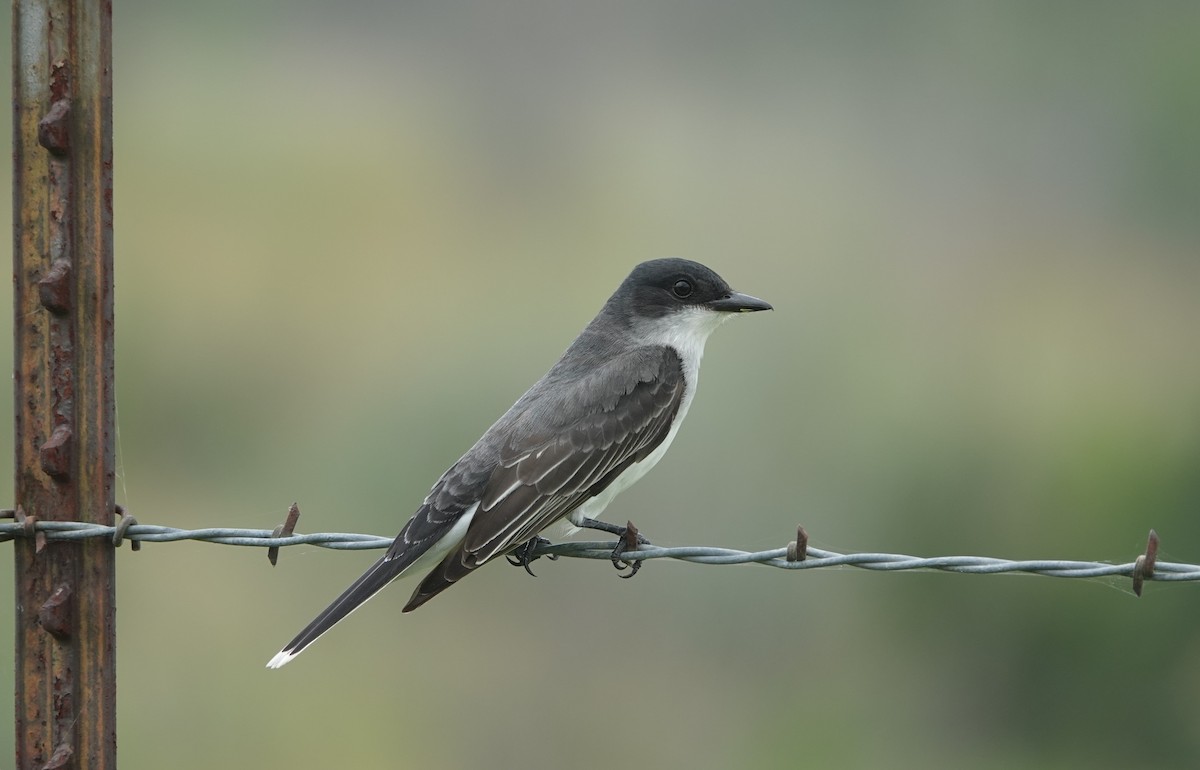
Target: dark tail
{"points": [[372, 581]]}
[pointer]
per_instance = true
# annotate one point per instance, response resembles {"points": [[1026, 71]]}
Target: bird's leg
{"points": [[628, 539], [525, 554], [612, 529]]}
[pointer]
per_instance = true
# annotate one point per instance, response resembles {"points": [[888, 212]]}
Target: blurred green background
{"points": [[349, 237]]}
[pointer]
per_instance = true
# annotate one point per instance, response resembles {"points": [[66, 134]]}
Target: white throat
{"points": [[686, 331]]}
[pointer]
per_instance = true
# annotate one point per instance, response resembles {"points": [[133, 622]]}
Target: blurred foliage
{"points": [[348, 238]]}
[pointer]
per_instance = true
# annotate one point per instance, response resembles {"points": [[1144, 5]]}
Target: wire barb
{"points": [[284, 530], [1146, 567], [28, 527], [797, 550], [1143, 568], [122, 527]]}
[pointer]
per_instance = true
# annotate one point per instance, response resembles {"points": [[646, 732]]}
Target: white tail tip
{"points": [[281, 659]]}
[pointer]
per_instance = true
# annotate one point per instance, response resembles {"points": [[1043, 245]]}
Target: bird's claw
{"points": [[629, 540], [526, 554]]}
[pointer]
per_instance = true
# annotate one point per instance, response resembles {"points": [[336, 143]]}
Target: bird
{"points": [[603, 415]]}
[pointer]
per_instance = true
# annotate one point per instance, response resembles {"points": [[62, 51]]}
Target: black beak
{"points": [[736, 302]]}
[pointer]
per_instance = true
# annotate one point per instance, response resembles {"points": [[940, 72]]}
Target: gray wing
{"points": [[562, 450]]}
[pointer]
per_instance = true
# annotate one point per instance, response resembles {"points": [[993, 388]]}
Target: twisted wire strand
{"points": [[778, 557]]}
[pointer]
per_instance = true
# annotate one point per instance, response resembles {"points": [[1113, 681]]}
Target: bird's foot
{"points": [[526, 554], [629, 540]]}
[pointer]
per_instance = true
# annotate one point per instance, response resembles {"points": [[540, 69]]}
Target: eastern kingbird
{"points": [[602, 417]]}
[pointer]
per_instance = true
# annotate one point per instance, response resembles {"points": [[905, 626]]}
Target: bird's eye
{"points": [[682, 289]]}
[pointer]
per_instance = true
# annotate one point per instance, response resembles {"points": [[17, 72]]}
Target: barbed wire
{"points": [[150, 533], [795, 556]]}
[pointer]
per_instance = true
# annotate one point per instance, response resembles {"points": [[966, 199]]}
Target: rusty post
{"points": [[63, 380]]}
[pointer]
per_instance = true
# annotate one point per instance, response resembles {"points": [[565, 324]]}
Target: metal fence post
{"points": [[63, 380]]}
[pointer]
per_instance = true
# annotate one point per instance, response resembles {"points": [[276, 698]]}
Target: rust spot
{"points": [[63, 699], [56, 453], [54, 130], [55, 614], [60, 80], [54, 289]]}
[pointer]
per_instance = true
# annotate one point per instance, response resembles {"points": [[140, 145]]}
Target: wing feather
{"points": [[554, 467]]}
